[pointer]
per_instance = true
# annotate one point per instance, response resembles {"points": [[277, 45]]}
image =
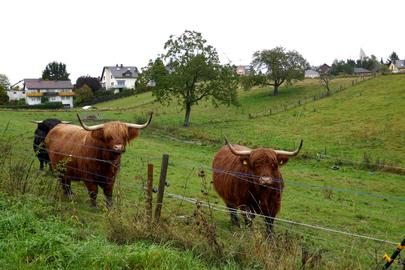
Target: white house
{"points": [[35, 90], [119, 77], [309, 73], [15, 94], [397, 66], [244, 69]]}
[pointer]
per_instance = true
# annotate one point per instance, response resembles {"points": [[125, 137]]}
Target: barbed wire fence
{"points": [[199, 203]]}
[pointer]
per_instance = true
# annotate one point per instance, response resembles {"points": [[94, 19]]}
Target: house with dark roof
{"points": [[397, 66], [119, 77], [37, 90], [324, 68]]}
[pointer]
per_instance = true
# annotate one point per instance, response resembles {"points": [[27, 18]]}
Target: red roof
{"points": [[44, 84]]}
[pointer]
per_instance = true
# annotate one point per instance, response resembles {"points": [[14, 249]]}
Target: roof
{"points": [[399, 63], [324, 68], [120, 71], [361, 70], [45, 84], [311, 71]]}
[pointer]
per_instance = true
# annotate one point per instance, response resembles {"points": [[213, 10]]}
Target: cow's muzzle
{"points": [[266, 180], [119, 148]]}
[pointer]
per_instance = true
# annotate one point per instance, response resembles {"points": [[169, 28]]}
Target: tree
{"points": [[92, 82], [393, 57], [4, 81], [277, 66], [325, 79], [83, 95], [55, 72], [3, 95], [192, 73]]}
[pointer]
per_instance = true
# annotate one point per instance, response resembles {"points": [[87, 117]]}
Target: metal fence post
{"points": [[161, 189]]}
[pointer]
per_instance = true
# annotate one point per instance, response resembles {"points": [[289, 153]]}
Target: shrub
{"points": [[83, 95]]}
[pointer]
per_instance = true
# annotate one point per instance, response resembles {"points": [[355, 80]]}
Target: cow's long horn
{"points": [[36, 122], [66, 122], [237, 152], [89, 128], [291, 154], [140, 126]]}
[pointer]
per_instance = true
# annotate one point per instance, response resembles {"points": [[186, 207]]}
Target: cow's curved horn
{"points": [[140, 126], [66, 122], [237, 152], [36, 122], [287, 153], [89, 128]]}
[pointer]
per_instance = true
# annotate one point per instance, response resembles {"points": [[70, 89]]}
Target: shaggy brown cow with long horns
{"points": [[90, 153], [250, 180]]}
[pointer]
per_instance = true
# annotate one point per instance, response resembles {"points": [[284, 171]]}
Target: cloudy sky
{"points": [[87, 35]]}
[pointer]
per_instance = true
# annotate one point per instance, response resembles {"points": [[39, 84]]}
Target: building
{"points": [[244, 70], [119, 77], [35, 91], [397, 66], [361, 71], [324, 68], [310, 73]]}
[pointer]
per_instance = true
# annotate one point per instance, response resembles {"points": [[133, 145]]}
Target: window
{"points": [[120, 82], [111, 76], [112, 83]]}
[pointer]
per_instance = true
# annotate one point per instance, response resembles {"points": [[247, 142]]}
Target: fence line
{"points": [[317, 227], [242, 177], [299, 102]]}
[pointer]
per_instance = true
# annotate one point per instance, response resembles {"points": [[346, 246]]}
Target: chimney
{"points": [[116, 65], [121, 65]]}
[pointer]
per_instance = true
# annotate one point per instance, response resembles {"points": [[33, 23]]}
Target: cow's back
{"points": [[230, 186], [66, 142]]}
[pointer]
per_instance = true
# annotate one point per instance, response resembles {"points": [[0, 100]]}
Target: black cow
{"points": [[39, 139]]}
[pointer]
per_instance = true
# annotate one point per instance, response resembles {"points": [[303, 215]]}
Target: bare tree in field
{"points": [[325, 78]]}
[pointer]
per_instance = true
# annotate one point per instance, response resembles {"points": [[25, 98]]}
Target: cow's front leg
{"points": [[108, 190], [247, 215], [67, 189], [234, 215], [93, 190], [269, 225]]}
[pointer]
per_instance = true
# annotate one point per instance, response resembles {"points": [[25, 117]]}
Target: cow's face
{"points": [[115, 136], [263, 163]]}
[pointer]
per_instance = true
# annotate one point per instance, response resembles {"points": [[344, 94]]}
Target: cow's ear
{"points": [[98, 134], [282, 159], [132, 133]]}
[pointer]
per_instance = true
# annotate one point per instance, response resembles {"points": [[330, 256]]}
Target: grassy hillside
{"points": [[361, 119]]}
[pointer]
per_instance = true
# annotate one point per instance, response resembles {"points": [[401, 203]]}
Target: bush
{"points": [[106, 95], [3, 95], [84, 95], [20, 105]]}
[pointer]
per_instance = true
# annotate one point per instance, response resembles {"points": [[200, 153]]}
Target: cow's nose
{"points": [[119, 148], [266, 180]]}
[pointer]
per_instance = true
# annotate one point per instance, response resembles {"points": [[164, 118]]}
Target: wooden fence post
{"points": [[161, 189], [149, 186]]}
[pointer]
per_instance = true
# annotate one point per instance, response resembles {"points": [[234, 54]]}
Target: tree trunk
{"points": [[187, 117], [275, 93]]}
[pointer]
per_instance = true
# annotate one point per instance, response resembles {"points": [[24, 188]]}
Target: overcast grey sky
{"points": [[87, 35]]}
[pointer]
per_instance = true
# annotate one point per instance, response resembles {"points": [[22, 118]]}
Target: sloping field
{"points": [[365, 118]]}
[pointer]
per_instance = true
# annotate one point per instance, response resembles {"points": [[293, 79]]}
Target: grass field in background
{"points": [[362, 122]]}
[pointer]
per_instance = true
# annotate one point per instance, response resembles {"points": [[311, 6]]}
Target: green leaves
{"points": [[55, 72], [190, 71], [277, 66]]}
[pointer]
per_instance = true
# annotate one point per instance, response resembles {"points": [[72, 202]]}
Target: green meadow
{"points": [[334, 183]]}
